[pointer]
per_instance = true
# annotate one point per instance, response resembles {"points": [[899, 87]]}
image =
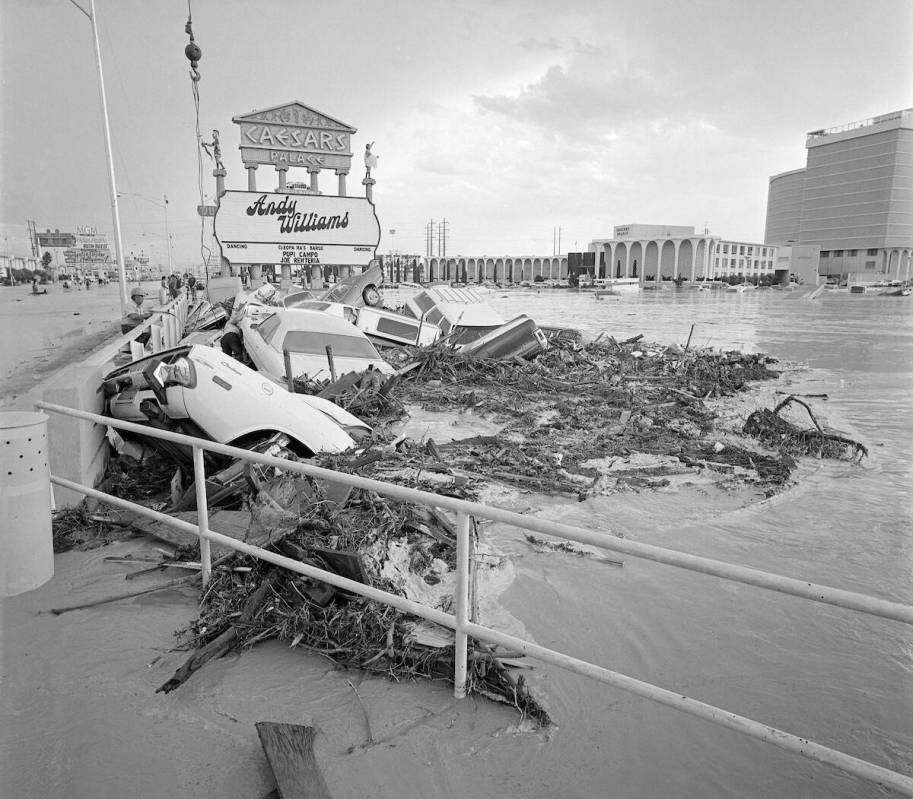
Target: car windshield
{"points": [[298, 299], [339, 292], [268, 327], [310, 342]]}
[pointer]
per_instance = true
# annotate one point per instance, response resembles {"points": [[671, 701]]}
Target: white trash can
{"points": [[26, 540]]}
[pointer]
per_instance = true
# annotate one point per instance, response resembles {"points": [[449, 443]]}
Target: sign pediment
{"points": [[294, 114]]}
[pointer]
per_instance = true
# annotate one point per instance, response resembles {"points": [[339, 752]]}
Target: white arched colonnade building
{"points": [[497, 269], [652, 253]]}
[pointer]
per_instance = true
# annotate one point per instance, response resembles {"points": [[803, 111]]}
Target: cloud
{"points": [[588, 95], [536, 45]]}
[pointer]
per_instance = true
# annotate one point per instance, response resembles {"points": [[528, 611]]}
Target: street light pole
{"points": [[167, 236], [164, 207], [115, 213]]}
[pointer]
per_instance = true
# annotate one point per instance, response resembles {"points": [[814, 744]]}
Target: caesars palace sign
{"points": [[298, 229], [255, 227], [294, 135]]}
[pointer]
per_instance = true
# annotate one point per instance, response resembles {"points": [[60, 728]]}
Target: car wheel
{"points": [[371, 296]]}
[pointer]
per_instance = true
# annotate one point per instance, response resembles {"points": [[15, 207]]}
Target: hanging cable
{"points": [[193, 53]]}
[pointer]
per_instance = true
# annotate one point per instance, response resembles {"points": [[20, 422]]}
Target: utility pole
{"points": [[115, 213], [559, 241], [443, 231], [429, 238], [33, 238]]}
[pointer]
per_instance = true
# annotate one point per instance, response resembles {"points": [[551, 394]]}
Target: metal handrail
{"points": [[459, 621], [849, 600], [176, 309]]}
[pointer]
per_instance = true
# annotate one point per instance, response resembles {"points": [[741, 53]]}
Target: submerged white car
{"points": [[209, 394], [381, 325], [311, 338], [460, 313]]}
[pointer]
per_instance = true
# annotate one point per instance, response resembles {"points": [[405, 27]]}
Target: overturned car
{"points": [[201, 391]]}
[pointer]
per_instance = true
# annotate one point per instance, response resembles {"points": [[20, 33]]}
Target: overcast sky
{"points": [[507, 118]]}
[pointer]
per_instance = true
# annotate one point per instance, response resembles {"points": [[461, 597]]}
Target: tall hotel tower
{"points": [[849, 213]]}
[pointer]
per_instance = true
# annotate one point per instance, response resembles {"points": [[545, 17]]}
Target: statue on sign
{"points": [[213, 150], [370, 160]]}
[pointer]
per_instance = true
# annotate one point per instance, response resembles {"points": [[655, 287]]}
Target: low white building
{"points": [[654, 253], [748, 259], [495, 268]]}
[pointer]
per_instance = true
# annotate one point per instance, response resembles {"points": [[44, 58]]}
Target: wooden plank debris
{"points": [[289, 749]]}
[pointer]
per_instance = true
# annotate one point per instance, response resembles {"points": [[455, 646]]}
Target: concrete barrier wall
{"points": [[78, 450]]}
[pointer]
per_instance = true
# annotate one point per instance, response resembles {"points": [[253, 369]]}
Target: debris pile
{"points": [[567, 417], [579, 403], [393, 546], [775, 432]]}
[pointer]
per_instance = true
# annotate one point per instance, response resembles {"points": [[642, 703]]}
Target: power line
{"points": [[442, 239]]}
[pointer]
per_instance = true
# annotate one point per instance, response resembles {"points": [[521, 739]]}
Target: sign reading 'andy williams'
{"points": [[301, 229]]}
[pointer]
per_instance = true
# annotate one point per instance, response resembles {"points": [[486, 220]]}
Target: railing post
{"points": [[289, 378], [199, 478], [461, 605], [155, 337]]}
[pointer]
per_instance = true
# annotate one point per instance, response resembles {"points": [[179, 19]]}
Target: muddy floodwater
{"points": [[80, 717]]}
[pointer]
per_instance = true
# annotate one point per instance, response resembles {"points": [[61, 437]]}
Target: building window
{"points": [[825, 253], [852, 253], [869, 264], [838, 253], [726, 249], [741, 249], [871, 252]]}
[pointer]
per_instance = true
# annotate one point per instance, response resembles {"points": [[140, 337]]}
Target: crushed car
{"points": [[318, 345], [473, 327], [358, 290], [384, 327], [201, 391], [461, 313], [518, 338]]}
